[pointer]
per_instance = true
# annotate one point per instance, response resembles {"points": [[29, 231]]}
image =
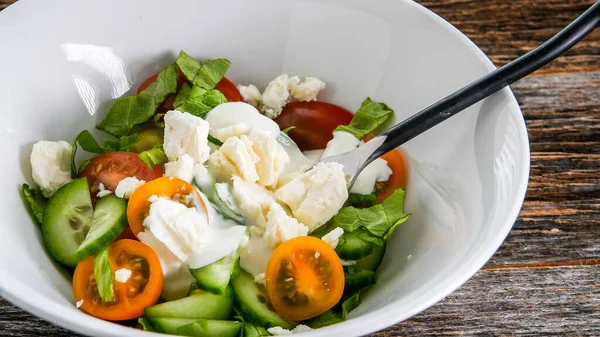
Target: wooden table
{"points": [[545, 279]]}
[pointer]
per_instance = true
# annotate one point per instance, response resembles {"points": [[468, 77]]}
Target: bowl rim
{"points": [[384, 317]]}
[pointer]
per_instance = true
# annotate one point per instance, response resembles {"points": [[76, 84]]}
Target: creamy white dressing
{"points": [[228, 114], [255, 255], [377, 171]]}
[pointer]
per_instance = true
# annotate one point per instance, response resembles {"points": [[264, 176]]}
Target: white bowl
{"points": [[63, 62]]}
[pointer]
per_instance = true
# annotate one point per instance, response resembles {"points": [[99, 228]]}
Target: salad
{"points": [[206, 212]]}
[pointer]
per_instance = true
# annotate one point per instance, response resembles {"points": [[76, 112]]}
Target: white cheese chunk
{"points": [[277, 94], [307, 90], [253, 200], [51, 165], [250, 94], [103, 192], [236, 157], [281, 227], [181, 229], [122, 275], [316, 195], [235, 130], [186, 134], [272, 158], [127, 186], [176, 274], [333, 238], [279, 331], [182, 168], [342, 142]]}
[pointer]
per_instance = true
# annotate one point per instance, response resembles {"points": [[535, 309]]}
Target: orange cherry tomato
{"points": [[110, 168], [304, 278], [170, 187], [314, 122], [397, 179], [141, 290]]}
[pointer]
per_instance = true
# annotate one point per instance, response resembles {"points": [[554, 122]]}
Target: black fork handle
{"points": [[491, 83]]}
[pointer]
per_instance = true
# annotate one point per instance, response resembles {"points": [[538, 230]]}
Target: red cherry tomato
{"points": [[230, 91], [314, 122], [110, 168]]}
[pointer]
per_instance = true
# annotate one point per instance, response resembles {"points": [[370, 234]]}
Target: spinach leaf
{"points": [[367, 118], [337, 314], [379, 221], [127, 112], [35, 201], [104, 276], [154, 156], [204, 75], [200, 101]]}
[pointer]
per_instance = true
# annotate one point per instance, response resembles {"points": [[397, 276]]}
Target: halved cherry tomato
{"points": [[229, 90], [170, 187], [304, 278], [314, 122], [110, 168], [397, 179], [141, 290]]}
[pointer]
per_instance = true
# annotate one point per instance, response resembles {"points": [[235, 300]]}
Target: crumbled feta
{"points": [[255, 158], [276, 95], [235, 130], [127, 186], [281, 227], [315, 196], [122, 275], [182, 168], [260, 279], [250, 94], [51, 165], [332, 238], [253, 200], [181, 229], [186, 134], [102, 191], [78, 304], [348, 262], [308, 89], [279, 331]]}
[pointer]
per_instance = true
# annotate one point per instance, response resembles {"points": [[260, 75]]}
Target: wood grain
{"points": [[545, 279]]}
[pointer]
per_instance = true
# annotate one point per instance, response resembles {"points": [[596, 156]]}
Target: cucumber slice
{"points": [[373, 260], [352, 247], [357, 279], [110, 219], [215, 277], [200, 306], [251, 330], [225, 204], [252, 302], [211, 328], [67, 220], [169, 325]]}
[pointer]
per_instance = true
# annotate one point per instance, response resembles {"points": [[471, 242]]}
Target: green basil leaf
{"points": [[35, 201], [369, 117], [154, 156], [104, 276], [126, 112], [204, 75], [379, 221]]}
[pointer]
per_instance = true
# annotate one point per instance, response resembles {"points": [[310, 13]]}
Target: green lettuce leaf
{"points": [[362, 200], [369, 117], [126, 112], [337, 314], [199, 102], [204, 75], [378, 222], [35, 201], [125, 143], [145, 325], [154, 156], [88, 143], [182, 95], [104, 276]]}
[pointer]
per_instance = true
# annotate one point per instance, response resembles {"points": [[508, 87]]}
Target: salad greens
{"points": [[367, 118], [154, 156], [88, 143], [126, 112], [104, 276], [379, 221], [203, 75], [35, 201], [337, 314], [362, 200], [198, 101]]}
